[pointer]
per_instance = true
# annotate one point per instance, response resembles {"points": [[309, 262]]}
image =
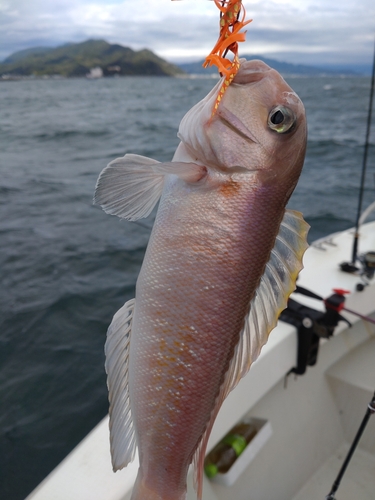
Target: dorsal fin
{"points": [[122, 436], [270, 298]]}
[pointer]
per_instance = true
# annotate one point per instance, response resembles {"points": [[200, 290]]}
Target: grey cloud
{"points": [[319, 31]]}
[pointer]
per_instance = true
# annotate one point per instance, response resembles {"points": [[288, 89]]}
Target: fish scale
{"points": [[222, 259], [229, 264]]}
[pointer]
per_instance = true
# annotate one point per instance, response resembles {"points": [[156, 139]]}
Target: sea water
{"points": [[67, 267]]}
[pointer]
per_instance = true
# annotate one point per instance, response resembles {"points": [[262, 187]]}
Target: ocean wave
{"points": [[65, 134], [349, 142], [4, 190]]}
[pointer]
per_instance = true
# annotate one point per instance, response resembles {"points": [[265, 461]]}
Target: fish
{"points": [[222, 259]]}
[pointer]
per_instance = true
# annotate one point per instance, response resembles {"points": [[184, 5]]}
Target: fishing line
{"points": [[364, 165]]}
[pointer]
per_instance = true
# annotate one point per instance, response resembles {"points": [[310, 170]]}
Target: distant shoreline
{"points": [[98, 58], [192, 76]]}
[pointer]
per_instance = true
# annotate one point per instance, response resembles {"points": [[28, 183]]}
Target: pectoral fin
{"points": [[122, 435], [189, 172], [130, 187]]}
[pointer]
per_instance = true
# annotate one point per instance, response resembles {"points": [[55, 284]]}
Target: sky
{"points": [[317, 32]]}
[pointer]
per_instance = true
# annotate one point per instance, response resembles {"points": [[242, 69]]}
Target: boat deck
{"points": [[358, 481]]}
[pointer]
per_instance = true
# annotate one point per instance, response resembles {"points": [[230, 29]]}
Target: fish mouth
{"points": [[235, 124], [251, 72]]}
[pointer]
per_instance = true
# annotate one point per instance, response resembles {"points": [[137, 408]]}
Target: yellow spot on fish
{"points": [[229, 188]]}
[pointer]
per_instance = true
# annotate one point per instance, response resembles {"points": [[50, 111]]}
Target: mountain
{"points": [[77, 59], [281, 67], [21, 54]]}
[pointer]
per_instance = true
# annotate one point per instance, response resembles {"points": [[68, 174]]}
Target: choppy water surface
{"points": [[66, 267]]}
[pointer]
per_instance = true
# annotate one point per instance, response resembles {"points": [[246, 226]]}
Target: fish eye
{"points": [[281, 119]]}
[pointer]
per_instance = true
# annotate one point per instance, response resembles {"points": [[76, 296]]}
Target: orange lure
{"points": [[232, 20]]}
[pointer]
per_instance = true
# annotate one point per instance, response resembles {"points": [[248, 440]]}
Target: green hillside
{"points": [[76, 59]]}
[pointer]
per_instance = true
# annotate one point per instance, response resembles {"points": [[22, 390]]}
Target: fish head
{"points": [[259, 126]]}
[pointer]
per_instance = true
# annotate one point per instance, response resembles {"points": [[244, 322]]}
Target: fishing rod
{"points": [[369, 411], [364, 166]]}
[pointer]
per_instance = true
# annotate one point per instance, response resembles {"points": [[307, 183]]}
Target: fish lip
{"points": [[251, 72], [231, 121]]}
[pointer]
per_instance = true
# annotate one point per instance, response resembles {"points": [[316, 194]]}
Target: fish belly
{"points": [[205, 258]]}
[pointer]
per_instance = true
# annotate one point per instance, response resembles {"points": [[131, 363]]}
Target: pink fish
{"points": [[222, 259]]}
